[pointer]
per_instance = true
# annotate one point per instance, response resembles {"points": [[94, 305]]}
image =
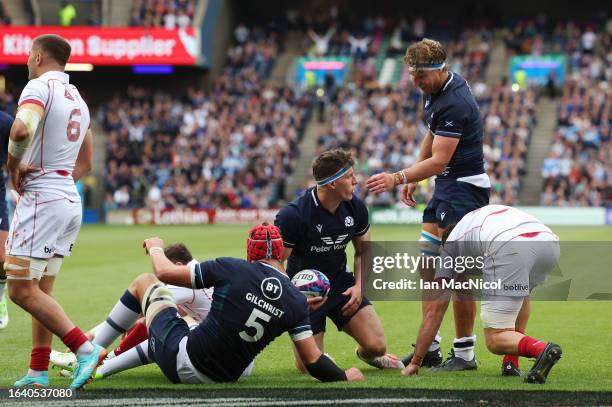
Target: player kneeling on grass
{"points": [[516, 252], [253, 303]]}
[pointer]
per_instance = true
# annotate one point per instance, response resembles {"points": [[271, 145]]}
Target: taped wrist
{"points": [[417, 360], [325, 370], [17, 149]]}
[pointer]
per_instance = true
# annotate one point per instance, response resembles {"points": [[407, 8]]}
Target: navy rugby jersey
{"points": [[252, 304], [319, 238], [6, 122], [453, 112]]}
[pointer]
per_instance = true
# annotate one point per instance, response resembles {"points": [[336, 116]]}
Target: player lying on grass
{"points": [[193, 305], [253, 303], [516, 251]]}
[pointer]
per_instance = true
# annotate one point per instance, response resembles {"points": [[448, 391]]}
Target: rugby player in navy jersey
{"points": [[317, 227], [6, 121], [452, 149], [253, 303]]}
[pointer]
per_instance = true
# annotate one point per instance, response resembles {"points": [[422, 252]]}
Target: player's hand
{"points": [[410, 370], [19, 174], [181, 310], [380, 183], [353, 374], [314, 303], [354, 294], [406, 194], [152, 242]]}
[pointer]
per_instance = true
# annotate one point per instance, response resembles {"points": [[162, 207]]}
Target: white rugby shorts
{"points": [[44, 224]]}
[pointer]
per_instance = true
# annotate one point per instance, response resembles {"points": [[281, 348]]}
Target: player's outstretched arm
{"points": [[442, 149], [166, 271], [320, 366], [430, 325], [85, 158]]}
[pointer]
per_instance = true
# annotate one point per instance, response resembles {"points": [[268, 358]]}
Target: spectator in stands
{"points": [[67, 14], [321, 42], [170, 20], [359, 46], [170, 14], [5, 19], [241, 33], [183, 20]]}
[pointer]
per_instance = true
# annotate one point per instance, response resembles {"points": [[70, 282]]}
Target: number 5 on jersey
{"points": [[253, 323]]}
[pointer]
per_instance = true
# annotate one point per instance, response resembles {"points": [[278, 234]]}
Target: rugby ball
{"points": [[312, 283]]}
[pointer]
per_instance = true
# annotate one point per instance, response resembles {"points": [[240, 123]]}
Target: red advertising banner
{"points": [[197, 216], [106, 46]]}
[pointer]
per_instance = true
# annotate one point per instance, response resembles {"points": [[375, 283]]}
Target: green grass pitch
{"points": [[107, 258]]}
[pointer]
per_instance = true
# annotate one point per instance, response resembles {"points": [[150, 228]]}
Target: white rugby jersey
{"points": [[495, 223], [57, 141], [195, 301], [483, 232]]}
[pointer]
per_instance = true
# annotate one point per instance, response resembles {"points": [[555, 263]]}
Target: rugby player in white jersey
{"points": [[50, 147], [515, 253]]}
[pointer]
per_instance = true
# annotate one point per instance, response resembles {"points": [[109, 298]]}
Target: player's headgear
{"points": [[264, 242]]}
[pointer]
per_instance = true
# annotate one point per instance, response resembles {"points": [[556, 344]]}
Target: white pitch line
{"points": [[228, 402]]}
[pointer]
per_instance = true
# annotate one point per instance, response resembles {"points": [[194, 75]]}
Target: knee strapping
{"points": [[53, 266], [24, 268], [157, 298], [429, 244]]}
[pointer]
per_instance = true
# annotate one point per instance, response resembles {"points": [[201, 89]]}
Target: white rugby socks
{"points": [[435, 345], [464, 347], [136, 356], [123, 315]]}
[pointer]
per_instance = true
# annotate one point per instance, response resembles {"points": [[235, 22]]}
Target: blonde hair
{"points": [[425, 52]]}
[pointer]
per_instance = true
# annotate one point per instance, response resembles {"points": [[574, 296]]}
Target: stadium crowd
{"points": [[327, 34], [231, 147], [577, 171], [208, 162], [169, 14]]}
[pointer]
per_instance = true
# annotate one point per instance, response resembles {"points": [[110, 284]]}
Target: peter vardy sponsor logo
{"points": [[330, 244]]}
